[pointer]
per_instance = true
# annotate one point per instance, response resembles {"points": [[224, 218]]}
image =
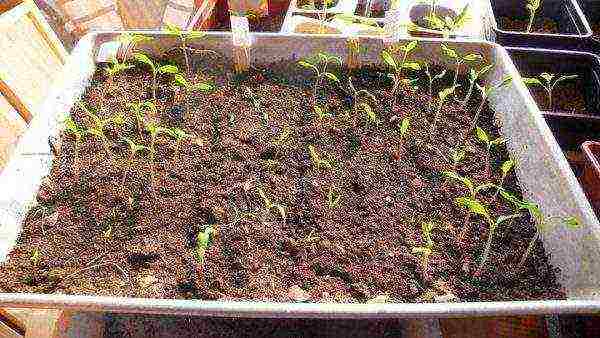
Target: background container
{"points": [[573, 28]]}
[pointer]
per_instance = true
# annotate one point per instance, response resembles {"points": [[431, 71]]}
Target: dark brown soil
{"points": [[351, 252], [595, 29], [540, 25], [566, 97], [270, 23]]}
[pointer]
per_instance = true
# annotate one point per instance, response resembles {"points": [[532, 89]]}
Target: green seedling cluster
{"points": [[548, 81]]}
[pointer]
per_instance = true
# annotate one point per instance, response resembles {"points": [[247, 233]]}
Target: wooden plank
{"points": [[15, 101], [6, 5], [46, 31], [17, 317], [7, 332]]}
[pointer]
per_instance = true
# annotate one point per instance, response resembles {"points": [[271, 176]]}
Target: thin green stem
{"points": [[529, 250], [486, 251]]}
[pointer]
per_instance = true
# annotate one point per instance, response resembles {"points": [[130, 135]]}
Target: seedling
{"points": [[78, 133], [36, 257], [318, 162], [448, 24], [322, 113], [323, 60], [432, 79], [270, 205], [532, 7], [457, 155], [505, 168], [97, 129], [154, 131], [476, 207], [485, 91], [156, 69], [131, 40], [138, 110], [548, 81], [184, 37], [257, 105], [360, 101], [426, 250], [542, 224], [114, 69], [333, 198], [473, 191], [191, 87], [107, 234], [397, 74], [443, 96], [133, 150], [203, 241], [459, 59], [179, 135], [474, 75], [489, 144]]}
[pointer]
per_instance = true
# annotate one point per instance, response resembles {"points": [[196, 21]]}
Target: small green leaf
{"points": [[410, 46], [566, 77], [203, 241], [308, 65], [411, 65], [439, 76], [472, 57], [449, 51], [144, 59], [195, 35], [498, 141], [531, 81], [204, 86], [181, 81], [172, 29], [421, 250], [404, 124], [547, 76], [443, 95], [389, 59], [572, 223], [464, 180], [474, 206], [484, 70], [484, 186], [331, 76], [482, 135], [168, 69], [507, 166], [503, 219]]}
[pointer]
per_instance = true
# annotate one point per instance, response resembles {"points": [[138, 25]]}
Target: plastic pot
{"points": [[531, 62], [591, 11], [590, 179], [542, 172], [571, 32]]}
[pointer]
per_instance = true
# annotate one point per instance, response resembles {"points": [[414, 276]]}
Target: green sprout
{"points": [[154, 131], [184, 37], [397, 74], [486, 91], [489, 144], [318, 162], [474, 75], [432, 79], [549, 81], [114, 69], [459, 59], [360, 100], [505, 168], [131, 40], [447, 24], [36, 257], [180, 81], [426, 250], [270, 205], [257, 105], [323, 60], [179, 135], [473, 191], [97, 129], [203, 241], [532, 7], [78, 133], [133, 150], [156, 69], [542, 224], [443, 96], [333, 198], [322, 113], [457, 155], [476, 207], [138, 111]]}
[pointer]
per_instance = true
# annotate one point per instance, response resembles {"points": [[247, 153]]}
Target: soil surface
{"points": [[540, 25], [107, 226], [315, 4], [567, 97]]}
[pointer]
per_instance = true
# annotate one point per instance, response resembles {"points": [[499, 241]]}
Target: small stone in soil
{"points": [[297, 294]]}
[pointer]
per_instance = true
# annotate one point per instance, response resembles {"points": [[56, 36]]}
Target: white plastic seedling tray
{"points": [[542, 170]]}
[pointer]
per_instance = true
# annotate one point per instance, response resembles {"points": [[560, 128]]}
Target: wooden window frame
{"points": [[12, 11]]}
